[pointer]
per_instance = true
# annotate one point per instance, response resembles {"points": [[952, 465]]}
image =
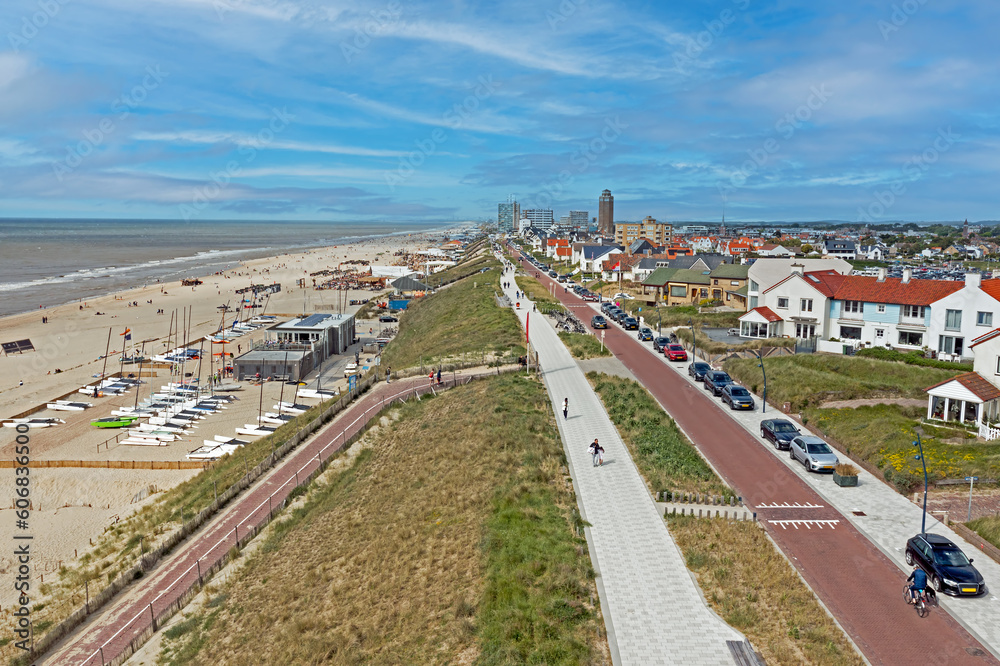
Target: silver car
{"points": [[813, 452]]}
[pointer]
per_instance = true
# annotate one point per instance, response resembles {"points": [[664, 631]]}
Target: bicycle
{"points": [[923, 602]]}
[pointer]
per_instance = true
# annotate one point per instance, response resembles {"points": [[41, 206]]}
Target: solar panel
{"points": [[313, 320]]}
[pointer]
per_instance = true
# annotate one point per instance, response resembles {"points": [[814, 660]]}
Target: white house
{"points": [[771, 250], [845, 249], [964, 315], [765, 273], [801, 303]]}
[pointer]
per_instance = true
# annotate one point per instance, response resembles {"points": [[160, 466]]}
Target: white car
{"points": [[622, 295], [350, 369]]}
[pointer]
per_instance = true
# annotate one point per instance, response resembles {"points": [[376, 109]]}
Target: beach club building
{"points": [[294, 348]]}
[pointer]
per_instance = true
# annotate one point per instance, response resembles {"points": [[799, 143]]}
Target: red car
{"points": [[675, 353]]}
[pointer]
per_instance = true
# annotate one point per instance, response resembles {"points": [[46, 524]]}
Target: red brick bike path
{"points": [[109, 631], [856, 582]]}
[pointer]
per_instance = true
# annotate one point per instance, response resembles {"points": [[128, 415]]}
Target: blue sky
{"points": [[403, 109]]}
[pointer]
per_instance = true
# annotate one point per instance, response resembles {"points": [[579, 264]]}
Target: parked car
{"points": [[618, 315], [715, 380], [630, 323], [779, 432], [553, 274], [812, 452], [606, 307], [675, 353], [350, 369], [622, 296], [645, 334], [597, 321], [659, 343], [590, 296], [737, 397], [698, 369], [388, 318], [948, 569]]}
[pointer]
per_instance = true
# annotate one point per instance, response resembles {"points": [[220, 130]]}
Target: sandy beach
{"points": [[76, 504]]}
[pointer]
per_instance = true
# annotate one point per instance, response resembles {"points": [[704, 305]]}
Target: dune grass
{"points": [[809, 379], [988, 528], [583, 345], [538, 294], [462, 318], [756, 591], [448, 540], [667, 460]]}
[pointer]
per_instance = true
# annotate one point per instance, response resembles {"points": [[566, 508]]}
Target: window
{"points": [[914, 311], [678, 292], [850, 333], [783, 303], [984, 319], [950, 345], [879, 333], [998, 365], [754, 286], [911, 339], [716, 281], [880, 308], [734, 283], [753, 302], [806, 304], [953, 320], [854, 306]]}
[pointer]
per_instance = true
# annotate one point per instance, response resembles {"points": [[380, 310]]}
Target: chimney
{"points": [[973, 279], [797, 268], [907, 274], [881, 274]]}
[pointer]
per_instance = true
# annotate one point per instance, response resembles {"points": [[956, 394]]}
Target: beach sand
{"points": [[78, 503]]}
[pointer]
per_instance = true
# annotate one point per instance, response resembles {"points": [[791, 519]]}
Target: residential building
{"points": [[606, 214], [579, 219], [508, 214], [843, 249], [659, 233], [729, 285], [765, 273], [772, 250], [541, 218]]}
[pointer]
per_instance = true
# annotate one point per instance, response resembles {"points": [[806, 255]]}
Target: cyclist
{"points": [[919, 578]]}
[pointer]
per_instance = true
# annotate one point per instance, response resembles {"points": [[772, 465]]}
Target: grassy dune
{"points": [[583, 345], [808, 379], [462, 318], [449, 540]]}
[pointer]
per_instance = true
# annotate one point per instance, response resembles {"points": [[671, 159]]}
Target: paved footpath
{"points": [[653, 609], [109, 631], [858, 580]]}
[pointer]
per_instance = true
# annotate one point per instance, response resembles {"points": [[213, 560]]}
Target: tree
{"points": [[807, 248]]}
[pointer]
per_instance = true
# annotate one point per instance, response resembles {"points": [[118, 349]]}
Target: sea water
{"points": [[45, 262]]}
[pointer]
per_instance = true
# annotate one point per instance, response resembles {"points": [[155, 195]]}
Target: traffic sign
{"points": [[972, 478]]}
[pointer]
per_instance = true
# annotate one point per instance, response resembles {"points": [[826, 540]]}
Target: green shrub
{"points": [[910, 358]]}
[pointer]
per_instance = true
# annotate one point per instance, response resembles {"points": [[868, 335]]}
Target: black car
{"points": [[737, 397], [619, 315], [597, 321], [645, 333], [715, 380], [553, 274], [388, 318], [606, 307], [947, 567], [698, 370], [779, 432], [661, 342], [630, 323]]}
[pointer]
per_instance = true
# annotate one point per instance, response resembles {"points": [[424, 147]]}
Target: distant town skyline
{"points": [[257, 109]]}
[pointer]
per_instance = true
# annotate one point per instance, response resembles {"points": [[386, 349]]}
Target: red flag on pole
{"points": [[527, 328]]}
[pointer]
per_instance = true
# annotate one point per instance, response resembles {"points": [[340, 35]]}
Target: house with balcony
{"points": [[797, 306], [843, 249], [676, 286], [766, 272], [972, 398]]}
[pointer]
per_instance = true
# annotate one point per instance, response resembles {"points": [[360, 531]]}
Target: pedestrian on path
{"points": [[439, 376], [388, 372], [565, 408], [594, 449]]}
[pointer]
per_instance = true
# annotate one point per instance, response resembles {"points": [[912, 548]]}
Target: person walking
{"points": [[439, 376], [565, 408], [600, 454], [388, 373], [593, 449]]}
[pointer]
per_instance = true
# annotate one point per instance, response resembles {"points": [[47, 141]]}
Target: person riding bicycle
{"points": [[919, 578]]}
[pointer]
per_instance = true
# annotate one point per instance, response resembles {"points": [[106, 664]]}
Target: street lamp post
{"points": [[694, 342], [760, 364], [920, 447]]}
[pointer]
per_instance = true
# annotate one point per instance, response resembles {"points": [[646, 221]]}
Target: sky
{"points": [[857, 110]]}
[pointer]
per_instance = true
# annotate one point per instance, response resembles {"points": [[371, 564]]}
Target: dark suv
{"points": [[947, 567], [630, 323], [597, 321], [715, 380]]}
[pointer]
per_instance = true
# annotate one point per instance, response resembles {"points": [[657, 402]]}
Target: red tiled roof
{"points": [[976, 383], [991, 287], [893, 290], [765, 312], [826, 282]]}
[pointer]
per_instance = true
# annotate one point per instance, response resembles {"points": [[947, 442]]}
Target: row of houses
{"points": [[819, 298]]}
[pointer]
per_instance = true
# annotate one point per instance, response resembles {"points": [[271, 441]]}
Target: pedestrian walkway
{"points": [[653, 608]]}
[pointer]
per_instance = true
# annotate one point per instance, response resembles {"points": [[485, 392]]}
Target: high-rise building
{"points": [[508, 215], [578, 219], [541, 218], [606, 214]]}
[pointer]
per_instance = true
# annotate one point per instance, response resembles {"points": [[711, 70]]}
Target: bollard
{"points": [[732, 500], [726, 515], [755, 516], [716, 513], [699, 512]]}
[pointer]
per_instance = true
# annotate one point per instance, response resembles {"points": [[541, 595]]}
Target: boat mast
{"points": [[141, 359], [107, 348]]}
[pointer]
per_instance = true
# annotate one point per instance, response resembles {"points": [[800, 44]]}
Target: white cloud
{"points": [[212, 138]]}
